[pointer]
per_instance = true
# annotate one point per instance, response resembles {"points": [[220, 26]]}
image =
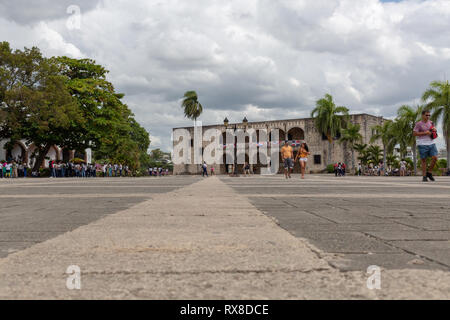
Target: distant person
{"points": [[246, 169], [403, 168], [287, 156], [205, 169], [426, 133]]}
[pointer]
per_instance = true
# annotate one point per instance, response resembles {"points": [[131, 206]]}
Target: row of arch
{"points": [[293, 134], [23, 154]]}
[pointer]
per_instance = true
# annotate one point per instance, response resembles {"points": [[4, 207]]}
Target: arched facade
{"points": [[23, 153], [18, 153], [295, 131]]}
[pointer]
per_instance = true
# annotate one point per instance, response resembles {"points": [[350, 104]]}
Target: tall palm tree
{"points": [[384, 133], [329, 119], [438, 98], [406, 121], [351, 136], [192, 107]]}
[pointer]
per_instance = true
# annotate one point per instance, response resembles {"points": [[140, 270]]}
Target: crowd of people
{"points": [[158, 172], [340, 169], [61, 169], [14, 169]]}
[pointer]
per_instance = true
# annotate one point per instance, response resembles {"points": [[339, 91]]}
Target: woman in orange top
{"points": [[303, 154]]}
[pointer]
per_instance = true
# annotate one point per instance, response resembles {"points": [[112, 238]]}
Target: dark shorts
{"points": [[289, 163], [428, 151]]}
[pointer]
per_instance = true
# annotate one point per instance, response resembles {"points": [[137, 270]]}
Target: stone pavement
{"points": [[391, 222], [35, 210], [206, 240]]}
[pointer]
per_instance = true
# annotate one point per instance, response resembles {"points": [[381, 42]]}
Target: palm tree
{"points": [[438, 96], [192, 107], [350, 136], [361, 148], [391, 159], [385, 133], [329, 119], [375, 154], [406, 121]]}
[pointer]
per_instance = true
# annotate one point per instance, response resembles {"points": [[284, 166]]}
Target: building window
{"points": [[317, 159]]}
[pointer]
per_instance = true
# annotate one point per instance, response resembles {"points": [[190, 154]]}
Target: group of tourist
{"points": [[340, 169], [13, 169], [59, 169], [158, 172]]}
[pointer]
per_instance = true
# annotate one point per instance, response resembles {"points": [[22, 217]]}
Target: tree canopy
{"points": [[69, 103]]}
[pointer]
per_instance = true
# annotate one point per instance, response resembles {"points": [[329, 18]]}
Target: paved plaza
{"points": [[258, 237]]}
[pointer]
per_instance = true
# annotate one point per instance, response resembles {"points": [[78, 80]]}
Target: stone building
{"points": [[23, 153], [296, 131]]}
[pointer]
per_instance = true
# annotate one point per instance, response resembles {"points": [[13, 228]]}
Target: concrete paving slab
{"points": [[410, 235], [345, 242], [431, 224], [357, 261]]}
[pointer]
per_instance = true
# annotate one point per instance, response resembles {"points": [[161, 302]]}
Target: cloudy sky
{"points": [[263, 59]]}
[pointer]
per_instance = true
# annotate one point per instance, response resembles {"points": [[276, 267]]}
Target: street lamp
{"points": [[226, 123]]}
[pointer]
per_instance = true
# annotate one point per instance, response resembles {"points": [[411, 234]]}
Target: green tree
{"points": [[437, 97], [384, 133], [191, 106], [374, 154], [351, 136], [361, 148], [161, 159], [406, 121], [35, 103], [68, 103], [329, 120], [110, 129], [391, 160]]}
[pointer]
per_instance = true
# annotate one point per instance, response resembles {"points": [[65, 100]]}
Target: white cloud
{"points": [[262, 59]]}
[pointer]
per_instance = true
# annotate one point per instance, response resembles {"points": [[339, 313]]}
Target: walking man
{"points": [[287, 155], [426, 133], [205, 169]]}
